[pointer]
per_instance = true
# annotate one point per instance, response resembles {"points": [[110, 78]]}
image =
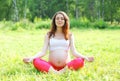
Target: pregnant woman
{"points": [[58, 41]]}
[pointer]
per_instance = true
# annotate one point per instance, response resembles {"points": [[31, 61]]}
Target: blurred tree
{"points": [[16, 13], [5, 9], [108, 10]]}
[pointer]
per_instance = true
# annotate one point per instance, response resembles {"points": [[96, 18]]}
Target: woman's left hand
{"points": [[90, 59]]}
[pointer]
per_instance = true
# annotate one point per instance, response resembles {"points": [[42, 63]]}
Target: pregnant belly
{"points": [[58, 58]]}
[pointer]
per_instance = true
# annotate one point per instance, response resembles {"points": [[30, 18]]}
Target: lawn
{"points": [[104, 45]]}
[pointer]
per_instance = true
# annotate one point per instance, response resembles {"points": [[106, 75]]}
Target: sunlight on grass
{"points": [[104, 45]]}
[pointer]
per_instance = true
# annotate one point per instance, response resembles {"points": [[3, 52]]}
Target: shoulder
{"points": [[71, 35], [47, 35]]}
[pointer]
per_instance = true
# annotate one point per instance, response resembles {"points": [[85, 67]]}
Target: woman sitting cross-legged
{"points": [[59, 41]]}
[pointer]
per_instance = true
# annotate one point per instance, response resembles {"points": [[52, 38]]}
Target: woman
{"points": [[59, 40]]}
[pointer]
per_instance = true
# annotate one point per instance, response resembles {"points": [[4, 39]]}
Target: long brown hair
{"points": [[65, 28]]}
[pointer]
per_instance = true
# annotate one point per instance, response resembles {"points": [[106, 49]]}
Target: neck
{"points": [[59, 30]]}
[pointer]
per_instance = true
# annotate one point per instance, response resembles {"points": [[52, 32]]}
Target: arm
{"points": [[74, 51], [44, 49], [39, 54]]}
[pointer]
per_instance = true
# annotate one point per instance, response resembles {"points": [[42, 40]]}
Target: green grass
{"points": [[104, 45]]}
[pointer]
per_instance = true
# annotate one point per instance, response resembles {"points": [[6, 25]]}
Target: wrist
{"points": [[31, 59], [86, 58]]}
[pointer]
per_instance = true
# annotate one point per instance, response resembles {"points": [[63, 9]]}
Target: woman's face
{"points": [[59, 20]]}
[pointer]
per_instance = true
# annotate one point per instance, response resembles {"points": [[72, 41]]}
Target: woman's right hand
{"points": [[27, 60]]}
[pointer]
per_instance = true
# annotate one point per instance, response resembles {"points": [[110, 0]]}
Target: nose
{"points": [[59, 19]]}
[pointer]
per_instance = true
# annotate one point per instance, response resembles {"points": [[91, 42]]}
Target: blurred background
{"points": [[37, 14], [94, 23]]}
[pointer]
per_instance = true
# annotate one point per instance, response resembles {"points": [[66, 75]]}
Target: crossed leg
{"points": [[44, 66]]}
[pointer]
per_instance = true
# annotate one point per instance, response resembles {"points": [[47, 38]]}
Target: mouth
{"points": [[59, 22]]}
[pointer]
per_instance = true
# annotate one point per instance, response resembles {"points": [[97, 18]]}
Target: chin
{"points": [[60, 26]]}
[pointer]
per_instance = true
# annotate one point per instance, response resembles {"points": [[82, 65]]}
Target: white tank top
{"points": [[58, 44]]}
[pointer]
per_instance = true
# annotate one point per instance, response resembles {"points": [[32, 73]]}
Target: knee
{"points": [[35, 61], [80, 62], [76, 64], [41, 65]]}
